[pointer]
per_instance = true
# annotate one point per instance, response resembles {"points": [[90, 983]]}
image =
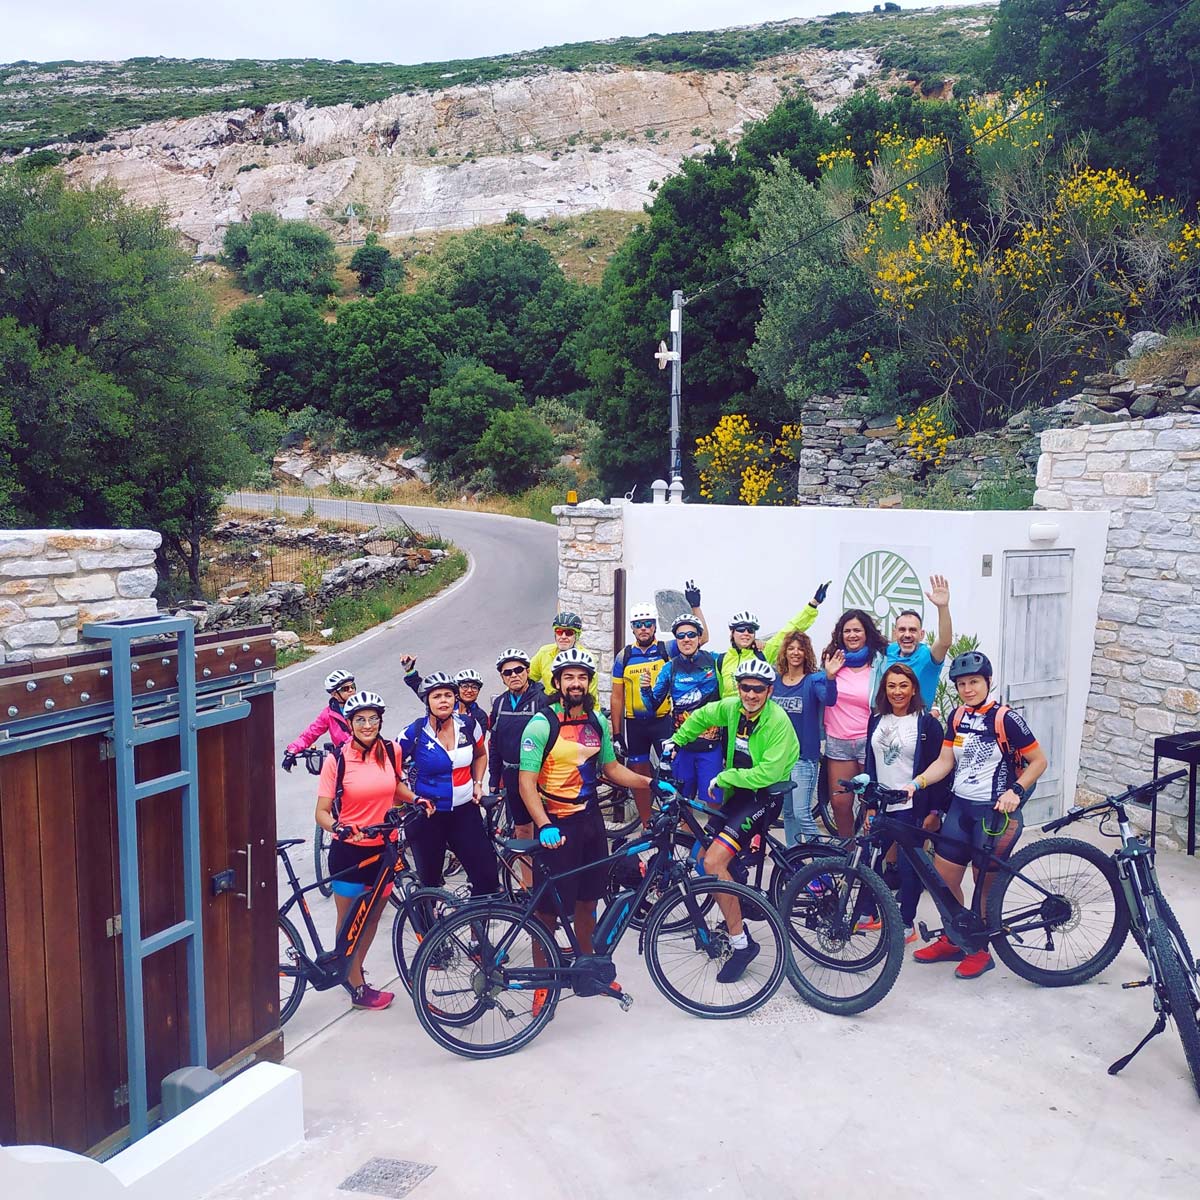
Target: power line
{"points": [[864, 205]]}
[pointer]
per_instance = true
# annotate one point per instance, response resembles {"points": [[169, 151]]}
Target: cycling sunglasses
{"points": [[509, 672], [686, 633], [559, 630], [744, 628], [755, 689], [642, 624]]}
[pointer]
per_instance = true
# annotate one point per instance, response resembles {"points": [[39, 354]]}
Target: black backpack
{"points": [[339, 786], [556, 724]]}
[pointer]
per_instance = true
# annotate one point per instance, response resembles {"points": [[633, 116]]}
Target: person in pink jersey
{"points": [[865, 649]]}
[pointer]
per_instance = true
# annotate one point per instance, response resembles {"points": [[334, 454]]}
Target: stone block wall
{"points": [[591, 539], [53, 580], [1146, 667]]}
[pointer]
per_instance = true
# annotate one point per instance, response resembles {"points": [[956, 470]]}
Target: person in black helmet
{"points": [[996, 760]]}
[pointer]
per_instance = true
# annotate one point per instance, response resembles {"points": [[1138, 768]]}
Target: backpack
{"points": [[555, 724], [339, 786], [1015, 757]]}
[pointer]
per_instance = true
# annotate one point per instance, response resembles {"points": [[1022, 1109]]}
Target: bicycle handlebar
{"points": [[1149, 789], [397, 818], [875, 791]]}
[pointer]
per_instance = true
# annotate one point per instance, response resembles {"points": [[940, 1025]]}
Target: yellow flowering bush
{"points": [[926, 434], [738, 464]]}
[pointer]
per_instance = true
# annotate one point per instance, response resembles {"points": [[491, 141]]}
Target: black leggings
{"points": [[463, 831]]}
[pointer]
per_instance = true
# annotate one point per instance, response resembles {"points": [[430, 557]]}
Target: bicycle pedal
{"points": [[625, 1000], [923, 930], [1137, 983]]}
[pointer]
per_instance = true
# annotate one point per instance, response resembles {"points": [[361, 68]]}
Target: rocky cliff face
{"points": [[555, 143]]}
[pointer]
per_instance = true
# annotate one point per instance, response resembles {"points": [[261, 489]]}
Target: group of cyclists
{"points": [[732, 723]]}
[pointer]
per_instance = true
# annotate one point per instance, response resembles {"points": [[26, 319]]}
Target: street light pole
{"points": [[676, 378]]}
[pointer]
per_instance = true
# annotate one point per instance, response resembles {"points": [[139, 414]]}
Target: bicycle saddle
{"points": [[284, 843], [783, 788], [524, 845]]}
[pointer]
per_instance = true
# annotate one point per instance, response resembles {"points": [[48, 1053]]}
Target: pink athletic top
{"points": [[847, 719]]}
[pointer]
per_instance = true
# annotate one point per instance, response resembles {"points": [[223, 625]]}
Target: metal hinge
{"points": [[112, 927], [106, 749], [121, 1096]]}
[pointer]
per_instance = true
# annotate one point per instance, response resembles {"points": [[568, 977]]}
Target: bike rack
{"points": [[128, 733]]}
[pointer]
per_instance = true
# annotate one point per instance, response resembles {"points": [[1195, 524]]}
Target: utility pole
{"points": [[674, 356]]}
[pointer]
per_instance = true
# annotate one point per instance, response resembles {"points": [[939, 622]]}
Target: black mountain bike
{"points": [[418, 908], [1173, 969], [1055, 914], [480, 990]]}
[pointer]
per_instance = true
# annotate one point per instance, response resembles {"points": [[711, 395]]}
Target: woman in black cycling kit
{"points": [[995, 759]]}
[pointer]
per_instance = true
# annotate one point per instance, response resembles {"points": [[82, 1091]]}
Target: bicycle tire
{"points": [[834, 966], [702, 954], [1172, 923], [468, 929], [291, 956], [415, 917], [796, 858], [321, 840], [619, 810], [1086, 926], [1179, 990]]}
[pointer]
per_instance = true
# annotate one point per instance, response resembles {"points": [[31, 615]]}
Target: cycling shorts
{"points": [[744, 815], [964, 839], [358, 867], [518, 814], [642, 733], [586, 843]]}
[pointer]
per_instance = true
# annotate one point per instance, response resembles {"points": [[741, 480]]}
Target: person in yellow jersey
{"points": [[568, 627]]}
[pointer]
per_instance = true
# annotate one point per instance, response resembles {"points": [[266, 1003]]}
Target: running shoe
{"points": [[910, 935], [868, 925], [365, 996], [943, 950], [736, 964], [974, 965]]}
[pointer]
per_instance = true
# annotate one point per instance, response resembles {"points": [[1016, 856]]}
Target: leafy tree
{"points": [[126, 402], [375, 267], [460, 411], [272, 255], [517, 447], [289, 344], [1140, 106]]}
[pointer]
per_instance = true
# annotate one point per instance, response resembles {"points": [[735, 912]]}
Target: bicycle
{"points": [[476, 981], [313, 759], [418, 909], [1054, 913], [1174, 974]]}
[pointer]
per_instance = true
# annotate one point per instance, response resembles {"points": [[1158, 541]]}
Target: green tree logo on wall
{"points": [[883, 584]]}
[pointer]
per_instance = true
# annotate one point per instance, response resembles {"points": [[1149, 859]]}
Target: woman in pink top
{"points": [[865, 649]]}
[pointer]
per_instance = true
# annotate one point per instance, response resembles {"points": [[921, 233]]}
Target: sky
{"points": [[399, 31]]}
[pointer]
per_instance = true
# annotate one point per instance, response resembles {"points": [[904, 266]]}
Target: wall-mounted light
{"points": [[1044, 531]]}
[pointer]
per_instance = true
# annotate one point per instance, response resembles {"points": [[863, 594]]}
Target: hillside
{"points": [[551, 133]]}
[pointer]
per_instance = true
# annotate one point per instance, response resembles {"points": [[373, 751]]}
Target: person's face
{"points": [[743, 636], [515, 675], [899, 691], [573, 684], [972, 689], [345, 691], [854, 636], [365, 725], [468, 692], [754, 694], [688, 639], [441, 702], [564, 639], [795, 655], [909, 633], [643, 631]]}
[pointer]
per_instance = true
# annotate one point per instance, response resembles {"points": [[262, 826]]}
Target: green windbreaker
{"points": [[774, 748]]}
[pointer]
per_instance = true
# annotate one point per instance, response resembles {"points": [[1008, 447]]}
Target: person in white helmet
{"points": [[330, 722], [636, 728]]}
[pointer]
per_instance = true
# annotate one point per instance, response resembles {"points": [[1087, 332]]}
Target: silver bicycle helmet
{"points": [[755, 668], [439, 679], [335, 679], [685, 619], [745, 617], [512, 654], [468, 675], [361, 700]]}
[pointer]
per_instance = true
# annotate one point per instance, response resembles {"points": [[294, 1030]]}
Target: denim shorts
{"points": [[846, 749]]}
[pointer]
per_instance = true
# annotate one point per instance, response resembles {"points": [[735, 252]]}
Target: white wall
{"points": [[770, 559]]}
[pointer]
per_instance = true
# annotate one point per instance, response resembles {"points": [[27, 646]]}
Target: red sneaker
{"points": [[974, 965], [943, 950], [365, 996]]}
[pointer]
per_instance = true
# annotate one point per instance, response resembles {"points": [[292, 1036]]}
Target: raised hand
{"points": [[835, 662], [820, 594], [939, 591], [691, 593]]}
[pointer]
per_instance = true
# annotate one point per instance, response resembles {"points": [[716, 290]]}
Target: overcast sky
{"points": [[400, 31]]}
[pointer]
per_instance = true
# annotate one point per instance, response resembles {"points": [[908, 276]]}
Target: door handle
{"points": [[248, 894]]}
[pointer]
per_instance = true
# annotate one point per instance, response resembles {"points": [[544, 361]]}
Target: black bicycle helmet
{"points": [[971, 663], [568, 620]]}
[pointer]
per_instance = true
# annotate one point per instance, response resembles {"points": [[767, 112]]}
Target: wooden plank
{"points": [[8, 1096], [64, 980], [24, 908], [102, 1064], [259, 799], [215, 856], [235, 786]]}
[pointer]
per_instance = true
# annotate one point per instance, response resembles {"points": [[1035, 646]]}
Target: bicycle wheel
{"points": [[686, 949], [292, 980], [618, 809], [415, 917], [321, 840], [1072, 933], [1180, 990], [796, 858], [836, 966], [463, 991]]}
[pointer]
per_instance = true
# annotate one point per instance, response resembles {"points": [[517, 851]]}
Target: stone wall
{"points": [[1146, 667], [53, 580], [591, 540]]}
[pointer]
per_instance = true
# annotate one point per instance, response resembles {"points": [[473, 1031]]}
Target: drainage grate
{"points": [[391, 1177], [783, 1009]]}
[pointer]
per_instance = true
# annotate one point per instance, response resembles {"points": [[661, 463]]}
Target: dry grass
{"points": [[1179, 357]]}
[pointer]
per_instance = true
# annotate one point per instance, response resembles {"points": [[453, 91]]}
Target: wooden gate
{"points": [[63, 1074]]}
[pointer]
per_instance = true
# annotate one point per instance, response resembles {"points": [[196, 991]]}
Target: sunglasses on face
{"points": [[642, 624], [755, 689], [347, 687], [565, 632], [366, 722], [687, 633], [744, 628], [509, 672]]}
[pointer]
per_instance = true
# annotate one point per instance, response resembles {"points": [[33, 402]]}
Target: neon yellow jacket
{"points": [[733, 656], [539, 668]]}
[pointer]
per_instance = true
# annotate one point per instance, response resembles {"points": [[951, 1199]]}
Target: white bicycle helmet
{"points": [[468, 675], [685, 619], [512, 654], [439, 679], [745, 617], [755, 668], [572, 658], [335, 679], [361, 700], [643, 612]]}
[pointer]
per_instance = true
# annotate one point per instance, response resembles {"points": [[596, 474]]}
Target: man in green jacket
{"points": [[761, 749]]}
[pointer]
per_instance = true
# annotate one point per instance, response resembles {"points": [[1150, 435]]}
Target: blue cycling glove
{"points": [[549, 836], [821, 592]]}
